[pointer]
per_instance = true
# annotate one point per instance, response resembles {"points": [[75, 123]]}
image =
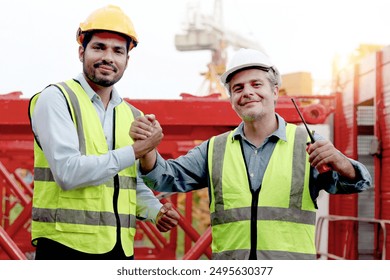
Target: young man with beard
{"points": [[87, 195]]}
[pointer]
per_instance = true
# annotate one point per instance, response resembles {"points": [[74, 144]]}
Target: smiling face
{"points": [[253, 96], [104, 59]]}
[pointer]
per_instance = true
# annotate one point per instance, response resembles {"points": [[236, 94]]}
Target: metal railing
{"points": [[334, 218], [14, 228]]}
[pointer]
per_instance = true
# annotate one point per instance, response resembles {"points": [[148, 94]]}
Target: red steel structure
{"points": [[186, 122], [365, 85]]}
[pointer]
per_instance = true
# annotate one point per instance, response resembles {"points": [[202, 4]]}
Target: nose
{"points": [[107, 56], [247, 90]]}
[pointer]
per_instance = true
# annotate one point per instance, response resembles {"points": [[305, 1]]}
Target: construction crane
{"points": [[205, 32]]}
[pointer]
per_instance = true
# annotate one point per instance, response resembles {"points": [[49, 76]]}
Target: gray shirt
{"points": [[56, 133], [189, 172]]}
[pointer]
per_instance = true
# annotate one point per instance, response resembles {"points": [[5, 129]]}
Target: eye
{"points": [[97, 46], [237, 88], [257, 84], [120, 51]]}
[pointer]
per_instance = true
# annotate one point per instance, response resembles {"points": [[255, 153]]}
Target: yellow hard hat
{"points": [[110, 18]]}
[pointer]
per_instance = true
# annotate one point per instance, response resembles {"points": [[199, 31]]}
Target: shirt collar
{"points": [[279, 133], [115, 98]]}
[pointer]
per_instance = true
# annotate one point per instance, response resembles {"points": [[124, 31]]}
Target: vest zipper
{"points": [[116, 190], [255, 201], [115, 205]]}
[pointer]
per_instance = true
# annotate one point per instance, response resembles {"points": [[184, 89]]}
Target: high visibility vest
{"points": [[84, 218], [275, 222]]}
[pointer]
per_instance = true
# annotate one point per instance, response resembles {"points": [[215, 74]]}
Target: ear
{"points": [[276, 93], [127, 61], [81, 53]]}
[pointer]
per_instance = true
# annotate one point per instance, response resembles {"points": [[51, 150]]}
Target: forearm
{"points": [[77, 171], [184, 174], [148, 162], [70, 169], [347, 170]]}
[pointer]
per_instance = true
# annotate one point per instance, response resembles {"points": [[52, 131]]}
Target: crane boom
{"points": [[203, 32]]}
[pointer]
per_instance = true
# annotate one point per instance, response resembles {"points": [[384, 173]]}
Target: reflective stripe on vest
{"points": [[285, 211], [66, 216]]}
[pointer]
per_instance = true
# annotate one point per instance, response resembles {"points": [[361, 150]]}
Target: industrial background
{"points": [[354, 114]]}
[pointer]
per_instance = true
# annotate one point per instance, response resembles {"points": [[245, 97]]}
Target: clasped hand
{"points": [[146, 133]]}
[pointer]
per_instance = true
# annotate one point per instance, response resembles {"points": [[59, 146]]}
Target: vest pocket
{"points": [[77, 221], [79, 210]]}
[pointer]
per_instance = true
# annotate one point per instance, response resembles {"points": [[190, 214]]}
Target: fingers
{"points": [[165, 224], [324, 156], [137, 133], [320, 153], [143, 127], [150, 117], [167, 218], [145, 138]]}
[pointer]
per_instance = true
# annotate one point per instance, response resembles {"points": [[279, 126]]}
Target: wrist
{"points": [[148, 161]]}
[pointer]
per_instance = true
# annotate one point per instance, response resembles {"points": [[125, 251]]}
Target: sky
{"points": [[38, 46]]}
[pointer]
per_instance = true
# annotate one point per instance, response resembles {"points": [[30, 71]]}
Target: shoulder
{"points": [[221, 139], [50, 92], [50, 95], [136, 112], [51, 101], [225, 135]]}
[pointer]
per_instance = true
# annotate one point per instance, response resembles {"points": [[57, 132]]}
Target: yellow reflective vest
{"points": [[275, 222], [84, 218]]}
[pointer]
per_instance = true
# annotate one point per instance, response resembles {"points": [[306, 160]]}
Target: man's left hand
{"points": [[167, 218]]}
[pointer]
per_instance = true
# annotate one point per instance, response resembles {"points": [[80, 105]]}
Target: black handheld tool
{"points": [[324, 168]]}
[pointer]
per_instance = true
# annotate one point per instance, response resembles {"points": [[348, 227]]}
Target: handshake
{"points": [[146, 133]]}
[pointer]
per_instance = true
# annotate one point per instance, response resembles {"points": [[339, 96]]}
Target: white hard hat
{"points": [[245, 58]]}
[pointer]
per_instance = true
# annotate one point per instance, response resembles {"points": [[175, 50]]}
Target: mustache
{"points": [[244, 101], [105, 63]]}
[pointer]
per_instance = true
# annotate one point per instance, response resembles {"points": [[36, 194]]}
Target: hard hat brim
{"points": [[225, 77]]}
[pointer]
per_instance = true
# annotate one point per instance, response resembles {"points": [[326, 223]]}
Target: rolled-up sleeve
{"points": [[333, 183], [184, 174]]}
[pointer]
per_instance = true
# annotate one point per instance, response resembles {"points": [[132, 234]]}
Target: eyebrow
{"points": [[250, 81], [100, 44]]}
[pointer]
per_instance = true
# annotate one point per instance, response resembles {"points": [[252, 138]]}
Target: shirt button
{"points": [[251, 175], [255, 152]]}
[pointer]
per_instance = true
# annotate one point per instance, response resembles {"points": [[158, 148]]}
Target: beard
{"points": [[101, 79], [249, 114]]}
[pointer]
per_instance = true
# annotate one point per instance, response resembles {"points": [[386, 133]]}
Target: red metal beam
{"points": [[200, 246], [9, 247]]}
